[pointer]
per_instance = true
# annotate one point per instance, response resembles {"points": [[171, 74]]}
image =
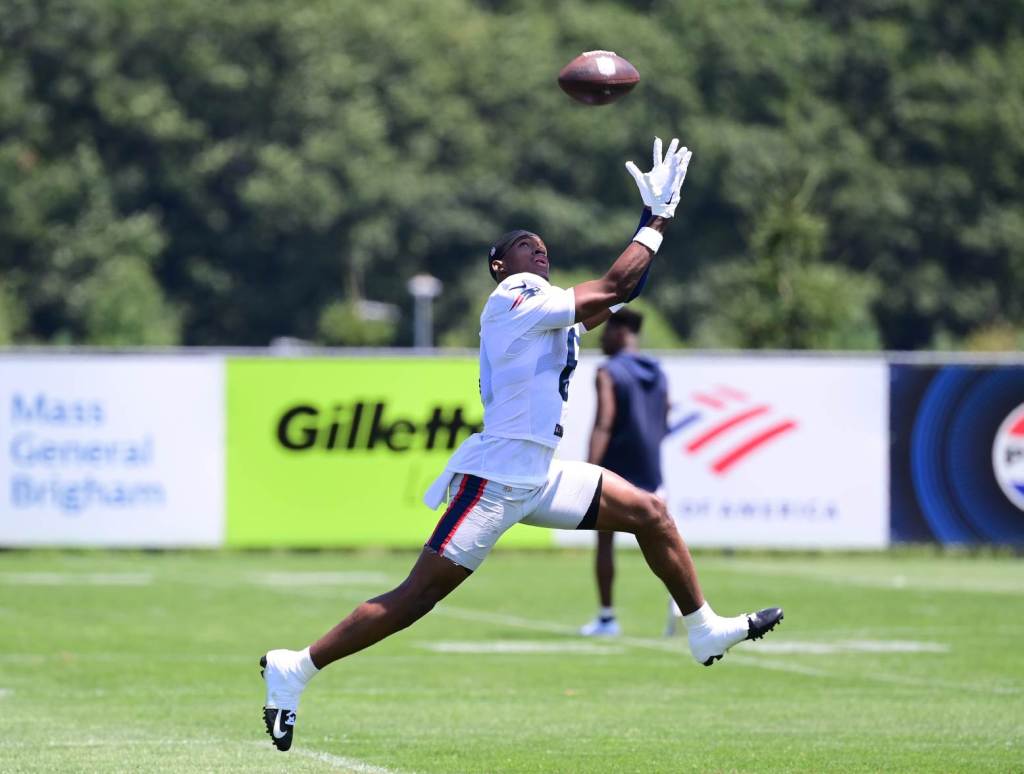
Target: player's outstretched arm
{"points": [[595, 296], [659, 189]]}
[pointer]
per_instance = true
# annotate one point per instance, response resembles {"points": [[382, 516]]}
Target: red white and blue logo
{"points": [[724, 426], [1008, 456]]}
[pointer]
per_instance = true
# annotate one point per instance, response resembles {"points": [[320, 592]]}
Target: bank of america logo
{"points": [[724, 426]]}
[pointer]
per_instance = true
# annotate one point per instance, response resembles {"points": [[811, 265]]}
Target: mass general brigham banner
{"points": [[111, 451]]}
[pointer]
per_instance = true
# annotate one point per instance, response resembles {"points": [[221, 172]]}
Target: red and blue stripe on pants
{"points": [[471, 489]]}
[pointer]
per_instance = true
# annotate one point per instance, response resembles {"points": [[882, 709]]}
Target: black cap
{"points": [[500, 247]]}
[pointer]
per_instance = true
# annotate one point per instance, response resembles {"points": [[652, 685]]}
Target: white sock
{"points": [[304, 666], [606, 612], [702, 616]]}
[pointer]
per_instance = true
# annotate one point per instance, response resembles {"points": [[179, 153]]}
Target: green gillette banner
{"points": [[338, 451]]}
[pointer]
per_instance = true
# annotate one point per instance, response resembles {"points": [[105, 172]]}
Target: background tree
{"points": [[176, 171]]}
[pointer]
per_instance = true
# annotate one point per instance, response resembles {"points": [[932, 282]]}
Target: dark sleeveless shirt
{"points": [[641, 407]]}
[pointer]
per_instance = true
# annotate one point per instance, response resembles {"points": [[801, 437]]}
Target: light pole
{"points": [[424, 289]]}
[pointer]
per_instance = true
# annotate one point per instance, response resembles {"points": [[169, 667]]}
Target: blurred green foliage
{"points": [[341, 323], [176, 171]]}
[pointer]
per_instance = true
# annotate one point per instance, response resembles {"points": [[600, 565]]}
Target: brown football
{"points": [[598, 77]]}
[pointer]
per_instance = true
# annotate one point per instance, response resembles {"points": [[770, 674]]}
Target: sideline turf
{"points": [[148, 662]]}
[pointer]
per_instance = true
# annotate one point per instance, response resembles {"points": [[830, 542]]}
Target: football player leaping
{"points": [[529, 336]]}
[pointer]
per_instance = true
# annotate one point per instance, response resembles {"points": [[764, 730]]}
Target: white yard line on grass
{"points": [[340, 763], [296, 578], [516, 622], [846, 646], [336, 762], [68, 656], [584, 648], [881, 581], [666, 645], [744, 659], [106, 742], [76, 578]]}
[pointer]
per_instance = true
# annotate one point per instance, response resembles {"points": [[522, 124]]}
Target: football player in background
{"points": [[529, 336], [630, 424]]}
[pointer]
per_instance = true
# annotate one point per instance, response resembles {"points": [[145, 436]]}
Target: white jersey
{"points": [[529, 346], [528, 350]]}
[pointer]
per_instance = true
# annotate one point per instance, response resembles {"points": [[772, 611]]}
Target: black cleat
{"points": [[762, 622], [280, 725]]}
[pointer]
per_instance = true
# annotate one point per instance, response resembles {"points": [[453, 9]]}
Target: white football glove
{"points": [[660, 187]]}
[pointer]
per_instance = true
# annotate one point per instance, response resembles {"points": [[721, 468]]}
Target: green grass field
{"points": [[148, 662]]}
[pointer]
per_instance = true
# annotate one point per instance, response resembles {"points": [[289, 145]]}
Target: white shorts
{"points": [[480, 511]]}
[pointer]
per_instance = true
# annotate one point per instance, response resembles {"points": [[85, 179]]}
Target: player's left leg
{"points": [[583, 496], [627, 508]]}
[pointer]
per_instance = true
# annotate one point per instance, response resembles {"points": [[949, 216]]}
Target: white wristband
{"points": [[616, 307], [649, 238]]}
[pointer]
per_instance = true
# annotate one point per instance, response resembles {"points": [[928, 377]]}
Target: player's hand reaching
{"points": [[660, 187]]}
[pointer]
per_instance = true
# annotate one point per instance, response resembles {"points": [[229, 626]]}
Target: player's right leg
{"points": [[479, 512], [627, 508], [287, 672], [432, 579]]}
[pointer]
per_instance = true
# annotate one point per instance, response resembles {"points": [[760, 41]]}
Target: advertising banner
{"points": [[111, 451], [339, 451], [768, 452], [957, 454]]}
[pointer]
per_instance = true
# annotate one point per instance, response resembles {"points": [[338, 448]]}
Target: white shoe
{"points": [[284, 687], [709, 642], [284, 681], [599, 628]]}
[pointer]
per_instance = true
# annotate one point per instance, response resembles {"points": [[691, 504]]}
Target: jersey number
{"points": [[570, 364]]}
